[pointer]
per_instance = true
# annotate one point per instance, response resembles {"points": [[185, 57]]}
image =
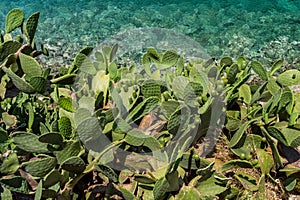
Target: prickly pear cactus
{"points": [[158, 115], [19, 56]]}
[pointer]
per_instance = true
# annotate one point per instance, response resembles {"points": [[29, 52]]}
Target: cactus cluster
{"points": [[17, 55], [61, 133]]}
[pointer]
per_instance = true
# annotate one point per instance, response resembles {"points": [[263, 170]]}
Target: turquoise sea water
{"points": [[265, 30]]}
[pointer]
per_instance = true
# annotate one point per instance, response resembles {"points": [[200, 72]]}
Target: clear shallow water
{"points": [[265, 30]]}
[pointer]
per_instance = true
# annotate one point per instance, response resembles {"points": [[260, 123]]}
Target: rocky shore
{"points": [[266, 32]]}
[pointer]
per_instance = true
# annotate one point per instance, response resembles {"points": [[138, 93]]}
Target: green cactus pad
{"points": [[233, 71], [245, 93], [113, 70], [38, 83], [169, 107], [108, 172], [106, 53], [174, 121], [187, 193], [153, 54], [169, 59], [9, 47], [66, 104], [179, 86], [65, 127], [6, 194], [259, 69], [144, 178], [127, 194], [273, 86], [51, 138], [71, 148], [179, 66], [31, 25], [197, 89], [30, 66], [20, 83], [152, 143], [276, 66], [52, 178], [211, 186], [39, 190], [63, 70], [113, 52], [151, 88], [121, 126], [241, 62], [40, 168], [247, 181], [29, 142], [100, 83], [99, 57], [146, 63], [14, 19], [132, 93], [160, 188], [43, 128], [10, 61], [54, 126], [8, 37], [289, 77], [81, 114], [85, 64], [73, 164], [143, 108], [135, 137], [86, 50], [49, 193], [226, 61]]}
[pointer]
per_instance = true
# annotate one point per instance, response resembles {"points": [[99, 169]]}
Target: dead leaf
{"points": [[33, 183], [9, 120], [146, 122]]}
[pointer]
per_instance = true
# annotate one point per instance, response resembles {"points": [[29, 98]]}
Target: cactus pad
{"points": [[66, 104], [38, 83], [29, 142], [30, 66], [31, 25], [73, 164], [9, 47], [20, 83], [71, 148], [14, 19], [65, 127], [169, 59], [52, 178], [40, 168], [51, 138]]}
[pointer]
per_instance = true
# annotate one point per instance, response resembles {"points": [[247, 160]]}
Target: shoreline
{"points": [[62, 53], [265, 33]]}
